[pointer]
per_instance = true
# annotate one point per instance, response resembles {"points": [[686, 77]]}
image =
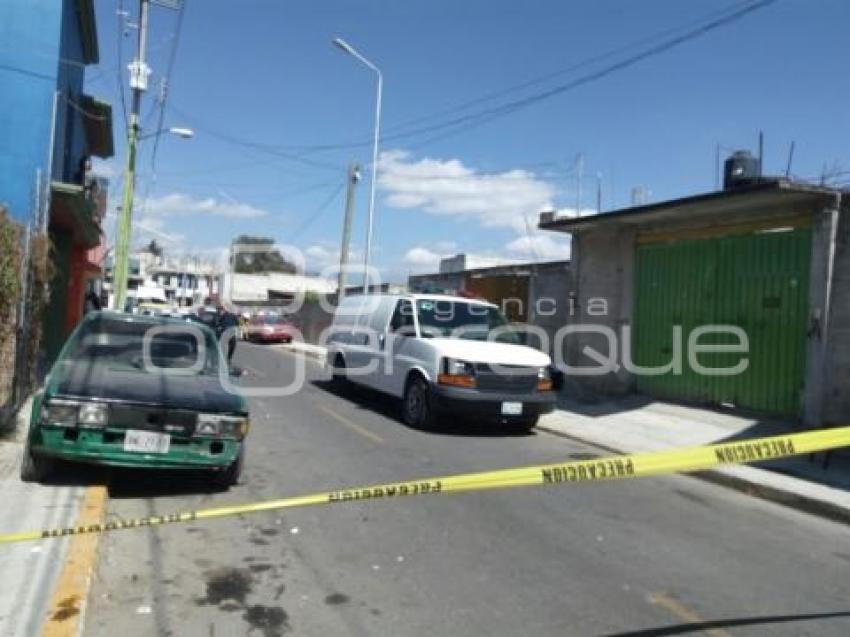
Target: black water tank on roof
{"points": [[741, 169]]}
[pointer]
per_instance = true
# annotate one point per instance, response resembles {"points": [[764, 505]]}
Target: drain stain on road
{"points": [[337, 598], [273, 621], [227, 584]]}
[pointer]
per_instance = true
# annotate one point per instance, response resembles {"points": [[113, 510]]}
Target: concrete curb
{"points": [[305, 349], [19, 423], [784, 497]]}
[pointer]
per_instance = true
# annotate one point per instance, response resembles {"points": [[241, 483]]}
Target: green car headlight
{"points": [[70, 413], [60, 413], [92, 415], [221, 426]]}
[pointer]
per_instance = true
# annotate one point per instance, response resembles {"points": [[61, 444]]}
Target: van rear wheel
{"points": [[417, 409]]}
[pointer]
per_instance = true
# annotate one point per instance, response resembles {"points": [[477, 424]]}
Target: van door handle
{"points": [[382, 340]]}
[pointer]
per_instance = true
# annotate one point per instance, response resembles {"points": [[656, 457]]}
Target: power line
{"points": [[463, 123], [473, 120], [534, 81], [264, 148], [120, 17], [318, 212], [81, 109]]}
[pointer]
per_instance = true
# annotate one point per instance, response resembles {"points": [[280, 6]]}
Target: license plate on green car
{"points": [[146, 441]]}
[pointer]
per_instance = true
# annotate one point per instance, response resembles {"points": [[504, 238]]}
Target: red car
{"points": [[269, 329]]}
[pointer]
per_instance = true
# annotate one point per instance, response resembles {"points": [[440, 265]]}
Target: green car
{"points": [[139, 391]]}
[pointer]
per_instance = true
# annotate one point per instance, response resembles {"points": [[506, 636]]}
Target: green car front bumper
{"points": [[106, 447]]}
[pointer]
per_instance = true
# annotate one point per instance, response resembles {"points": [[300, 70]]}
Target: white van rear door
{"points": [[364, 345]]}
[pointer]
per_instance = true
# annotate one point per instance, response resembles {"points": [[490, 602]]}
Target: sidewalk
{"points": [[30, 569], [817, 484]]}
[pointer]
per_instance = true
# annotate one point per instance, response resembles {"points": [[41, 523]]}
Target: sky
{"points": [[264, 90]]}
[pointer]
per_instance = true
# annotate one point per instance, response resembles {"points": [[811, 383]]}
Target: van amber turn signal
{"points": [[544, 384], [456, 380]]}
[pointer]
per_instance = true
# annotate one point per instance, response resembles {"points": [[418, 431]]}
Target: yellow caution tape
{"points": [[607, 468]]}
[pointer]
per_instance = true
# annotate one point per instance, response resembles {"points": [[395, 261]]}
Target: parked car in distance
{"points": [[138, 391], [441, 355], [268, 328]]}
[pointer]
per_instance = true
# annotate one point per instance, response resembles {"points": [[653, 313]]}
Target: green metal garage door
{"points": [[758, 282]]}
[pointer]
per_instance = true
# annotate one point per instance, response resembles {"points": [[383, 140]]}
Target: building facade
{"points": [[738, 298], [48, 133], [186, 282]]}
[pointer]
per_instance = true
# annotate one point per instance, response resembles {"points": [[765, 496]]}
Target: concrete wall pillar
{"points": [[821, 275], [836, 396], [605, 262]]}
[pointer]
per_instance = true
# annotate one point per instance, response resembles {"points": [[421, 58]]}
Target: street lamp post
{"points": [[350, 50]]}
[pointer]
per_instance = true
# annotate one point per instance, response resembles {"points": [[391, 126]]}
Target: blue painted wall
{"points": [[70, 134], [40, 52]]}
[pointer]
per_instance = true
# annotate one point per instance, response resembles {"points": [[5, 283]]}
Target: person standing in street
{"points": [[92, 302], [225, 327]]}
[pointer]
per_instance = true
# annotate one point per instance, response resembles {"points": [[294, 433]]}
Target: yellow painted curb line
{"points": [[68, 604]]}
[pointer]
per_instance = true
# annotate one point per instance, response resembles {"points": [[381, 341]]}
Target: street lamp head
{"points": [[185, 133], [345, 46]]}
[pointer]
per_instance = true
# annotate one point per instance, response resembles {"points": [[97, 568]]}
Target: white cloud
{"points": [[448, 188], [152, 227], [318, 252], [325, 255], [540, 246], [422, 258], [182, 204], [104, 168]]}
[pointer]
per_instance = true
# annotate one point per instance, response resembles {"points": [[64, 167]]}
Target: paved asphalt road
{"points": [[661, 556]]}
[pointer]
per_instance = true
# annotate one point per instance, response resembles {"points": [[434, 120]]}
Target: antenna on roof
{"points": [[790, 159], [761, 153]]}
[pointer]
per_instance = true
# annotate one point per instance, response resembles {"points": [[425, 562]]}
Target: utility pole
{"points": [[717, 166], [579, 178], [353, 178], [139, 72], [598, 193], [790, 159]]}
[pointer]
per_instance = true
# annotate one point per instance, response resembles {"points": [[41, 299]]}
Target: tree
{"points": [[257, 255], [154, 248]]}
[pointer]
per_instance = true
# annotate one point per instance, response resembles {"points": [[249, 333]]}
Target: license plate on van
{"points": [[511, 409]]}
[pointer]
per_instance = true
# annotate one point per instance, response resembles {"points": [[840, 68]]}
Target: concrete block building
{"points": [[684, 279]]}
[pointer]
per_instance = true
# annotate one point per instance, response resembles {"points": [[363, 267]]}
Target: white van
{"points": [[441, 355]]}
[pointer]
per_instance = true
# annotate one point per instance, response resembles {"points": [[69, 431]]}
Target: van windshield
{"points": [[456, 319]]}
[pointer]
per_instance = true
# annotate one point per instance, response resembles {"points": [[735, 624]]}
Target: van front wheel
{"points": [[417, 410], [339, 378]]}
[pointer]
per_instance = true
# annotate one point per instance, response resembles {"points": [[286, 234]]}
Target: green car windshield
{"points": [[144, 345], [456, 319]]}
